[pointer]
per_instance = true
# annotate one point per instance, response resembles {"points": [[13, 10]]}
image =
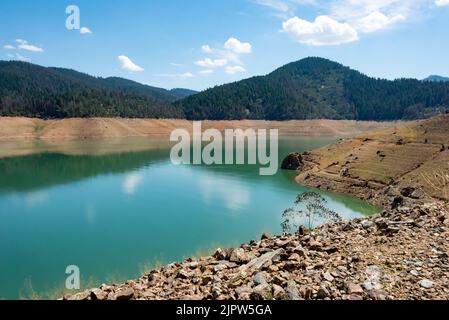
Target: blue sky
{"points": [[198, 44]]}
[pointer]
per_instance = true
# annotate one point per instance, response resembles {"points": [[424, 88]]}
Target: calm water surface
{"points": [[114, 215]]}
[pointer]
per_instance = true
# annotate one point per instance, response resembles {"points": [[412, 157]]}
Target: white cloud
{"points": [[442, 3], [22, 58], [351, 10], [323, 31], [238, 47], [181, 76], [24, 45], [85, 30], [8, 47], [131, 183], [209, 63], [234, 69], [377, 21], [341, 21], [228, 54], [206, 48], [178, 65], [128, 65], [18, 57]]}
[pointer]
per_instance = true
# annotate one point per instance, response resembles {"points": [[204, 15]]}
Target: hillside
{"points": [[31, 90], [27, 130], [406, 162], [318, 88], [435, 78], [312, 88]]}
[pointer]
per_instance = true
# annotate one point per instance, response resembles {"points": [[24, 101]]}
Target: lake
{"points": [[117, 208]]}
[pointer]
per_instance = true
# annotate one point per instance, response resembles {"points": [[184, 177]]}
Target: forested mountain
{"points": [[436, 78], [31, 90], [318, 88], [306, 89], [183, 93]]}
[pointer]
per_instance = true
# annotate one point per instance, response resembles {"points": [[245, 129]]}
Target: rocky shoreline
{"points": [[399, 254]]}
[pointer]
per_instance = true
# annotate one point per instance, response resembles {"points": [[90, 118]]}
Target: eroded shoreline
{"points": [[18, 128]]}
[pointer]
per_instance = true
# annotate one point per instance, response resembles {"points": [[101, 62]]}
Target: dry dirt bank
{"points": [[407, 163], [76, 128]]}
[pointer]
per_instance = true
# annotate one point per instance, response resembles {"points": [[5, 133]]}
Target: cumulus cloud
{"points": [[206, 48], [377, 21], [342, 21], [24, 45], [237, 46], [323, 31], [234, 69], [127, 64], [18, 57], [442, 3], [85, 30], [229, 53], [209, 63], [8, 47]]}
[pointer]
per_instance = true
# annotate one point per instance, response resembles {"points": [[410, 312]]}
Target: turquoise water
{"points": [[115, 215]]}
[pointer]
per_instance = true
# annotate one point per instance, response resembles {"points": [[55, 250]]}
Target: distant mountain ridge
{"points": [[436, 78], [318, 88], [30, 90], [310, 88]]}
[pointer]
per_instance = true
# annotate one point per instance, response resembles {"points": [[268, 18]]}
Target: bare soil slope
{"points": [[77, 128], [411, 160]]}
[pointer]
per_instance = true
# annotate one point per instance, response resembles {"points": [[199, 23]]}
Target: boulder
{"points": [[259, 278], [220, 254], [426, 284], [124, 294], [239, 256], [293, 161], [98, 294], [292, 292], [278, 292], [352, 288], [262, 292]]}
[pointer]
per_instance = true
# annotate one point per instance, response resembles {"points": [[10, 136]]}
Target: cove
{"points": [[115, 214]]}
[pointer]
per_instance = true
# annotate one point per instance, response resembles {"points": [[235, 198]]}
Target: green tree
{"points": [[309, 205]]}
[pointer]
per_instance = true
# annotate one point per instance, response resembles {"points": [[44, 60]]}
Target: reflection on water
{"points": [[111, 212]]}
